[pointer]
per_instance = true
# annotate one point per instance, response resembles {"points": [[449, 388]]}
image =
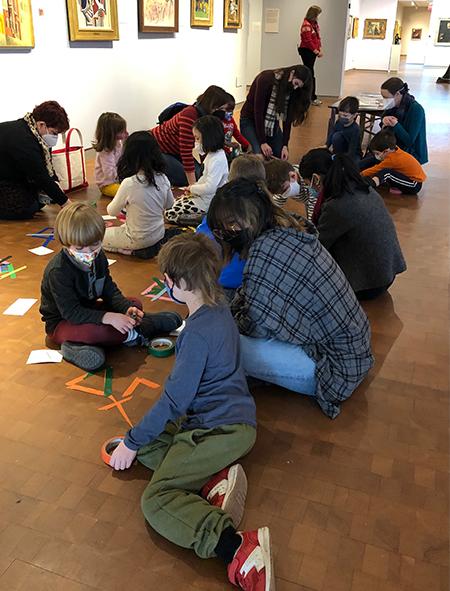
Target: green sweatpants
{"points": [[183, 461]]}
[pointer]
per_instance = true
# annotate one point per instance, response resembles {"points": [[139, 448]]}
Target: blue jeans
{"points": [[279, 363], [248, 130], [175, 171]]}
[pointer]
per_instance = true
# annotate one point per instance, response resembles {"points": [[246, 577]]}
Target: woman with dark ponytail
{"points": [[357, 229], [406, 117]]}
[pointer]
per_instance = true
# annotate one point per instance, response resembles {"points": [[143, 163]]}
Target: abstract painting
{"points": [[202, 13], [232, 14], [16, 24], [158, 16], [375, 28], [93, 20]]}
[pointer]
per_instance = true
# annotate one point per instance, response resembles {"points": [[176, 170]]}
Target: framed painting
{"points": [[232, 14], [93, 20], [355, 28], [375, 28], [443, 34], [16, 24], [202, 13], [416, 34], [158, 16], [349, 27]]}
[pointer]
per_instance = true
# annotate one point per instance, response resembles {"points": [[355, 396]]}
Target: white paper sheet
{"points": [[40, 250], [109, 217], [44, 356], [20, 307], [177, 332], [111, 261]]}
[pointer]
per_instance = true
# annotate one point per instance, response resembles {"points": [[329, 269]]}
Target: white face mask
{"points": [[50, 139], [198, 146], [389, 103], [86, 258], [293, 190]]}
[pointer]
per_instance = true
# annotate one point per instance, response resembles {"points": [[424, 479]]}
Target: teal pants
{"points": [[183, 461]]}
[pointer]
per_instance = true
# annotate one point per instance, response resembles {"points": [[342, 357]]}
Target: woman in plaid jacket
{"points": [[301, 325]]}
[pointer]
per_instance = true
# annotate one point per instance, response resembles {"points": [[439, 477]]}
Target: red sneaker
{"points": [[227, 489], [251, 568]]}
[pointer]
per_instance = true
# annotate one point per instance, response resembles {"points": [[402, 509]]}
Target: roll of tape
{"points": [[161, 348], [109, 446]]}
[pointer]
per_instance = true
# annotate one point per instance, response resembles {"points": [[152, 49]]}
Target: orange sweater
{"points": [[399, 161]]}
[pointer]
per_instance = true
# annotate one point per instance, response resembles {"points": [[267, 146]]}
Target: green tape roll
{"points": [[161, 348]]}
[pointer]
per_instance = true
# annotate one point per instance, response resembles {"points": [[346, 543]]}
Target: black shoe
{"points": [[85, 356], [161, 323]]}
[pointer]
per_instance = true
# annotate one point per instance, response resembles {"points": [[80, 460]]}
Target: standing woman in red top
{"points": [[310, 46], [176, 140]]}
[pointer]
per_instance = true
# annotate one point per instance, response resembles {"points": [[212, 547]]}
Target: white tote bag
{"points": [[69, 163]]}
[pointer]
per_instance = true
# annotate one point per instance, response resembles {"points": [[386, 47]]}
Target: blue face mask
{"points": [[172, 297], [314, 193]]}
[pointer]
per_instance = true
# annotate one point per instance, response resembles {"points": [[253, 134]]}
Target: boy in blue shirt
{"points": [[204, 421], [345, 136]]}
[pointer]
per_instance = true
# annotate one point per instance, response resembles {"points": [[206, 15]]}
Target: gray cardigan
{"points": [[359, 233]]}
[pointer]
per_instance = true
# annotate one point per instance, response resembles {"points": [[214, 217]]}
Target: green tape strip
{"points": [[107, 390], [161, 348], [11, 268]]}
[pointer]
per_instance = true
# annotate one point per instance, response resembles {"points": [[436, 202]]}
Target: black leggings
{"points": [[309, 59], [392, 178], [18, 201]]}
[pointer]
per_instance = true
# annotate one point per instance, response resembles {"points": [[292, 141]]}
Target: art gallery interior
{"points": [[359, 503]]}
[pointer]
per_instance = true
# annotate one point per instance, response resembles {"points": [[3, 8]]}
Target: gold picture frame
{"points": [[202, 13], [375, 28], [232, 14], [16, 25], [93, 20], [158, 16], [355, 28]]}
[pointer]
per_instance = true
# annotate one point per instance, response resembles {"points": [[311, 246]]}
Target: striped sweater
{"points": [[175, 136]]}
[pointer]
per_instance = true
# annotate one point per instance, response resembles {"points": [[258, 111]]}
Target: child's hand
{"points": [[122, 457], [120, 322], [136, 314]]}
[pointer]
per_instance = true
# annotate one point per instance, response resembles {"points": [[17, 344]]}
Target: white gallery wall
{"points": [[415, 49], [280, 49], [371, 54], [136, 77], [438, 55]]}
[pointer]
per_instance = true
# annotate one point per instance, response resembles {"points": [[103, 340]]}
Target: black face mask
{"points": [[219, 114], [236, 240]]}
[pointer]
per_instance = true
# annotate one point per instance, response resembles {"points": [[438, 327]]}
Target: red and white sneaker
{"points": [[251, 568], [227, 490]]}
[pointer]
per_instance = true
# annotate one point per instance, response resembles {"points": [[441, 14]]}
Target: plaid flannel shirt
{"points": [[294, 291]]}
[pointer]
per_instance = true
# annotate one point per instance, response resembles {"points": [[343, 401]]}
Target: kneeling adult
{"points": [[26, 168]]}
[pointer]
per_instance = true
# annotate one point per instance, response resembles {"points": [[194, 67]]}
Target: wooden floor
{"points": [[355, 504]]}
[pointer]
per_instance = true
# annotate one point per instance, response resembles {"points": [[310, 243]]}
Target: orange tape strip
{"points": [[135, 383], [118, 403]]}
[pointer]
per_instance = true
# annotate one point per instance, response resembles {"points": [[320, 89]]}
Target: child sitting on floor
{"points": [[145, 194], [209, 139], [251, 168], [82, 307], [234, 140], [344, 137], [111, 131], [397, 169], [281, 180], [202, 424]]}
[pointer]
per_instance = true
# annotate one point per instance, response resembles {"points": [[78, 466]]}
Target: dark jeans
{"points": [[18, 201], [175, 171], [90, 333], [152, 251], [392, 178], [309, 59], [248, 130]]}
